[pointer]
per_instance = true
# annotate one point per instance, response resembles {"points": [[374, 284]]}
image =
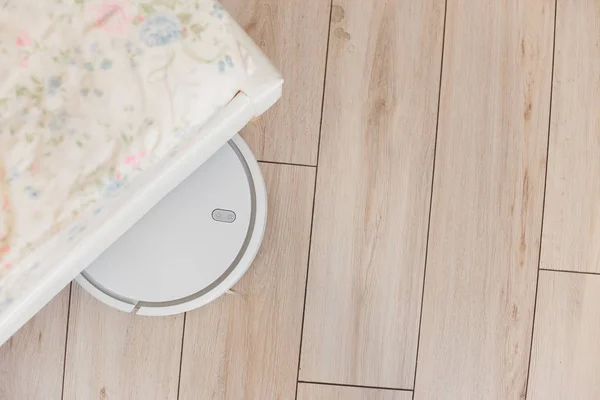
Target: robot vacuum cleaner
{"points": [[193, 246]]}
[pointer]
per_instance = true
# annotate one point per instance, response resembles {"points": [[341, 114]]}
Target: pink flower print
{"points": [[24, 40], [33, 168], [4, 203], [135, 160], [184, 32], [118, 176], [112, 18], [139, 19]]}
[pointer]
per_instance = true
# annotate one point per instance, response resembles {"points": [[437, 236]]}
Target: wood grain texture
{"points": [[245, 346], [565, 361], [487, 200], [310, 391], [32, 361], [116, 355], [373, 191], [572, 217], [293, 34]]}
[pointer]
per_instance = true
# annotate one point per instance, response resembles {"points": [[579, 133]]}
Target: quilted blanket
{"points": [[92, 93]]}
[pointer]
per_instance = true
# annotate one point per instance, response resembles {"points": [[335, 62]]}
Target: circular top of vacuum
{"points": [[196, 242]]}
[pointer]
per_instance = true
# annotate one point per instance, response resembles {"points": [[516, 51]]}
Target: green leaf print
{"points": [[21, 90], [166, 3], [127, 139], [196, 28], [56, 141], [185, 18], [147, 9]]}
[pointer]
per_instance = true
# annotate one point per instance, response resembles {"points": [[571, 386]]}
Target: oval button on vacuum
{"points": [[226, 216]]}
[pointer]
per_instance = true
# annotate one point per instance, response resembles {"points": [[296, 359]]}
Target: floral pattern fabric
{"points": [[94, 92]]}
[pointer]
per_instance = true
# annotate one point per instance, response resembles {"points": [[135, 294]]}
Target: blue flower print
{"points": [[55, 124], [227, 62], [133, 49], [160, 30], [106, 64], [32, 192], [218, 11], [113, 187], [54, 84], [88, 66], [13, 175], [58, 121]]}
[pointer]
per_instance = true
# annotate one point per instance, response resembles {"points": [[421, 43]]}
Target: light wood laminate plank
{"points": [[311, 391], [293, 34], [566, 351], [116, 355], [32, 361], [572, 217], [246, 345], [487, 200], [373, 193]]}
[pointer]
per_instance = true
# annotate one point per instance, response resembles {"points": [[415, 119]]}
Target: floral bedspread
{"points": [[93, 92]]}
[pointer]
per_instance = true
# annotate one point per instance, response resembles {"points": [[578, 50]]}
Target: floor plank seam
{"points": [[181, 356], [430, 196], [312, 217], [287, 163], [537, 281], [62, 394], [356, 386], [566, 271]]}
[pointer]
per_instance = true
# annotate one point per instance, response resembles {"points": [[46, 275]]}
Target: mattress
{"points": [[98, 98]]}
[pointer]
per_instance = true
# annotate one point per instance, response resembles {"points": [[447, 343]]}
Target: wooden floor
{"points": [[433, 171]]}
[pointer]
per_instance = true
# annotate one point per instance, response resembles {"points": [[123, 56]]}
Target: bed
{"points": [[106, 106]]}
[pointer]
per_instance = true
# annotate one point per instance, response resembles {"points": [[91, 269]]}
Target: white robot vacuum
{"points": [[193, 246]]}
